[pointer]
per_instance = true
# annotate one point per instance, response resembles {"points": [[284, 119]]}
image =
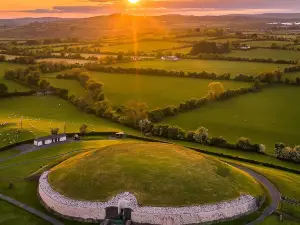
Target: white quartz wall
{"points": [[153, 215]]}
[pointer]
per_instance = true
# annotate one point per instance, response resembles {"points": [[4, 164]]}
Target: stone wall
{"points": [[85, 210]]}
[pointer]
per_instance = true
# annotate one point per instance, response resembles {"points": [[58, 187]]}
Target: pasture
{"points": [[143, 46], [266, 54], [267, 44], [11, 85], [67, 61], [41, 113], [267, 117], [211, 66], [153, 90], [293, 75], [73, 86]]}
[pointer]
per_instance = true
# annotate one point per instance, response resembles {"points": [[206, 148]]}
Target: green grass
{"points": [[40, 113], [267, 117], [73, 86], [274, 220], [267, 43], [11, 215], [153, 90], [12, 86], [65, 61], [293, 75], [194, 39], [266, 54], [188, 177], [144, 46], [215, 66]]}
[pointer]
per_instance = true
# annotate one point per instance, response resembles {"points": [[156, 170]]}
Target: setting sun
{"points": [[133, 1]]}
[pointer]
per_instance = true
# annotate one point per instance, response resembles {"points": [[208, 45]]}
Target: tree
{"points": [[134, 112], [54, 131], [201, 135], [215, 90], [146, 126], [3, 88], [83, 130]]}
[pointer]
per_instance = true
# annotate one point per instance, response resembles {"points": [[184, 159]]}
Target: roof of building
{"points": [[120, 133], [50, 137]]}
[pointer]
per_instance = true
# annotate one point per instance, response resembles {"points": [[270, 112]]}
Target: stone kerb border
{"points": [[86, 210]]}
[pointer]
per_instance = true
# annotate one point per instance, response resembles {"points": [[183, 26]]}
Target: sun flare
{"points": [[133, 1]]}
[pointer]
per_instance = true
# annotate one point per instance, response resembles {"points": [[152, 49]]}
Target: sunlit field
{"points": [[212, 66], [267, 54], [155, 91], [63, 60], [144, 46], [267, 117], [41, 113], [12, 86]]}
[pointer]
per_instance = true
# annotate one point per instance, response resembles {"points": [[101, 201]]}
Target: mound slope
{"points": [[157, 174]]}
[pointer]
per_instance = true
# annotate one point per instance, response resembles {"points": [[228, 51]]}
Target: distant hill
{"points": [[119, 24], [27, 20]]}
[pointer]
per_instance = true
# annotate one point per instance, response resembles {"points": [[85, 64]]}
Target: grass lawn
{"points": [[12, 86], [144, 46], [274, 220], [266, 54], [40, 113], [267, 117], [10, 215], [141, 168], [267, 43], [73, 86], [153, 90], [215, 66]]}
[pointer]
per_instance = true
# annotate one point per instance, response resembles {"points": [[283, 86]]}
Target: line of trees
{"points": [[214, 56], [210, 47], [287, 153]]}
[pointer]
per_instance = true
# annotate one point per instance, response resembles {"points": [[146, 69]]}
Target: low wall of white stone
{"points": [[84, 210]]}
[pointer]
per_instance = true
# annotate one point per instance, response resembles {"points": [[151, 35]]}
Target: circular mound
{"points": [[157, 174]]}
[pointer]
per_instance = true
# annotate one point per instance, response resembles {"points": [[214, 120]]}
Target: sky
{"points": [[88, 8]]}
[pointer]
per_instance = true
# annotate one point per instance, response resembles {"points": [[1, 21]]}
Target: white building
{"points": [[170, 58], [50, 139], [245, 47]]}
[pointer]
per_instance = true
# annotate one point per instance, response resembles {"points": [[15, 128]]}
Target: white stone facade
{"points": [[153, 215]]}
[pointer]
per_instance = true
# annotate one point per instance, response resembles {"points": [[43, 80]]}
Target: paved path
{"points": [[31, 210], [273, 192]]}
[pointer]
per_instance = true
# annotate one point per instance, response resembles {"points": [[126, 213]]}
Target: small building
{"points": [[170, 58], [245, 47], [120, 135], [50, 139]]}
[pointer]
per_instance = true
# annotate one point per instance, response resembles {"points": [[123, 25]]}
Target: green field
{"points": [[153, 90], [73, 86], [215, 66], [145, 46], [194, 39], [12, 215], [12, 86], [266, 54], [192, 177], [65, 61], [267, 43], [41, 113], [293, 75], [267, 117]]}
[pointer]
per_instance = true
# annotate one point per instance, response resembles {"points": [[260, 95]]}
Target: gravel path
{"points": [[31, 210], [273, 192]]}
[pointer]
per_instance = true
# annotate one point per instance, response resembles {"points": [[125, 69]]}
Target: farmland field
{"points": [[267, 43], [145, 46], [73, 86], [267, 117], [67, 61], [293, 75], [266, 54], [194, 39], [12, 86], [153, 90], [215, 66], [41, 113]]}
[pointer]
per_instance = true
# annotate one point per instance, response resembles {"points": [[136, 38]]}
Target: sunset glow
{"points": [[133, 1]]}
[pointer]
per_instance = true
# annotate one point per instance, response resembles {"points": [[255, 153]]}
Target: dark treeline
{"points": [[239, 59], [210, 47]]}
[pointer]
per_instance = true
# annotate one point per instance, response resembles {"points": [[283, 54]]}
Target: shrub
{"points": [[201, 135]]}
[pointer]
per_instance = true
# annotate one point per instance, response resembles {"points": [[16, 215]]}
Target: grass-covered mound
{"points": [[157, 174]]}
